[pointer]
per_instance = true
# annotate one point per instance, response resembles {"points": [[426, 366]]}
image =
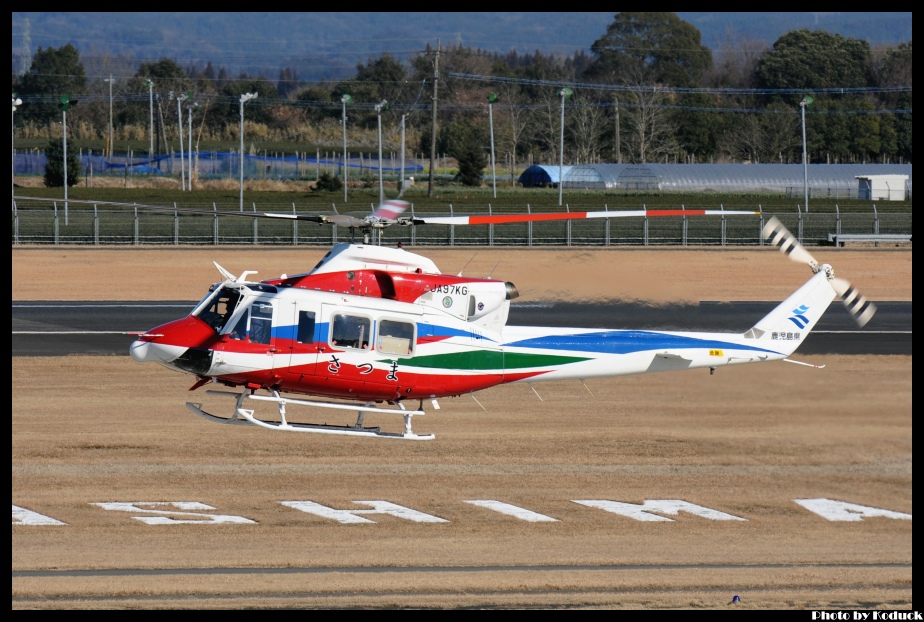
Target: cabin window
{"points": [[350, 331], [395, 337], [261, 322], [305, 327]]}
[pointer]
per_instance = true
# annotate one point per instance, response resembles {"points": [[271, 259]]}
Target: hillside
{"points": [[330, 44]]}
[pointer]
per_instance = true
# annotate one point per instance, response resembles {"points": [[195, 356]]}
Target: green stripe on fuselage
{"points": [[482, 360]]}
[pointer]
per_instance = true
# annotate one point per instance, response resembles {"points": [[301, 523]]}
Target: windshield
{"points": [[218, 307]]}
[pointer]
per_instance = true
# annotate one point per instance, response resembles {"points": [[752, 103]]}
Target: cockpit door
{"points": [[302, 320]]}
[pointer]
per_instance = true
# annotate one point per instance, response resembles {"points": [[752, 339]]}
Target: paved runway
{"points": [[52, 328]]}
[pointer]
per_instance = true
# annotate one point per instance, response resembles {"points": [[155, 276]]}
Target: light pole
{"points": [[246, 97], [150, 84], [383, 105], [64, 105], [565, 93], [401, 192], [179, 113], [110, 80], [189, 111], [491, 99], [16, 104], [344, 100], [803, 104]]}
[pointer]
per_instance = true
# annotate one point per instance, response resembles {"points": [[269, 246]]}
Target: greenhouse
{"points": [[540, 176], [824, 180]]}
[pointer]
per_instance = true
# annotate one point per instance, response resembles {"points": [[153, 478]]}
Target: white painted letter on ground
{"points": [[159, 513], [352, 517], [512, 510], [22, 516], [847, 512], [643, 512]]}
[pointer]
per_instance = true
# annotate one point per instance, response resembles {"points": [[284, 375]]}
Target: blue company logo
{"points": [[799, 319]]}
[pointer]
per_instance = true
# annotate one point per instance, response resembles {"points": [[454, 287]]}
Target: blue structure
{"points": [[216, 164], [541, 176]]}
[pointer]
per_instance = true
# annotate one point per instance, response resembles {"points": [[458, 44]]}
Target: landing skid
{"points": [[244, 416]]}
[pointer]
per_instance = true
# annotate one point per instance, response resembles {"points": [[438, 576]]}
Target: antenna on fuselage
{"points": [[466, 264]]}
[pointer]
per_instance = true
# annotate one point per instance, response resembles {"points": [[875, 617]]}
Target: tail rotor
{"points": [[859, 307]]}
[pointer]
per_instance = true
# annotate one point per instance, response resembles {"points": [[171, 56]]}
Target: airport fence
{"points": [[56, 222]]}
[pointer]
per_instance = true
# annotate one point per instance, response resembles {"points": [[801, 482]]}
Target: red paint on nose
{"points": [[189, 332]]}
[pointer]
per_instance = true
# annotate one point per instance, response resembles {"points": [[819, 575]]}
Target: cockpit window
{"points": [[218, 308]]}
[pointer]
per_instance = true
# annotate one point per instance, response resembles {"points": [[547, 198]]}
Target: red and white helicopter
{"points": [[373, 329]]}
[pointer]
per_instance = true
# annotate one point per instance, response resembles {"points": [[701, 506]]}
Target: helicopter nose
{"points": [[170, 341], [145, 351]]}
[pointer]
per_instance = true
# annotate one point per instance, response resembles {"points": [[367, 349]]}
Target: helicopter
{"points": [[380, 330]]}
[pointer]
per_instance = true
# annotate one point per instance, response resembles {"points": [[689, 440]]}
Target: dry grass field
{"points": [[747, 442]]}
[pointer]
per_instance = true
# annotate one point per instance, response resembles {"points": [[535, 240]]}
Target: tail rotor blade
{"points": [[787, 243], [861, 309]]}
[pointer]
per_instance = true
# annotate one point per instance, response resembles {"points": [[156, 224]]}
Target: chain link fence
{"points": [[58, 223]]}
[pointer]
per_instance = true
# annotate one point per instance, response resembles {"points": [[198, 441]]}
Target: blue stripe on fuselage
{"points": [[626, 342], [434, 330]]}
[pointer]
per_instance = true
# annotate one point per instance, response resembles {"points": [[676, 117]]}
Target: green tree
{"points": [[696, 127], [808, 60], [903, 128], [166, 75], [814, 59], [54, 165], [466, 141], [54, 72], [380, 79], [227, 108], [891, 70], [650, 48], [320, 102]]}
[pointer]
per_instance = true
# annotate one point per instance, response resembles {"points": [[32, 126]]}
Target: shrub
{"points": [[328, 183]]}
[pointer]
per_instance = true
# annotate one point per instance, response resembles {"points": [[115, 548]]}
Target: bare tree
{"points": [[514, 117], [586, 124], [649, 136], [771, 136]]}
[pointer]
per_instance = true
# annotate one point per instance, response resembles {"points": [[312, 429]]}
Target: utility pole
{"points": [[378, 111], [245, 97], [344, 100], [16, 104], [189, 158], [179, 113], [110, 81], [401, 185], [150, 84], [618, 141], [436, 77], [803, 104], [565, 93], [491, 99]]}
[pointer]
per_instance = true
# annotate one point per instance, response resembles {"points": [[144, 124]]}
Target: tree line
{"points": [[648, 91]]}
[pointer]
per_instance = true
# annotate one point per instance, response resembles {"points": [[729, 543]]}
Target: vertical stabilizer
{"points": [[792, 320]]}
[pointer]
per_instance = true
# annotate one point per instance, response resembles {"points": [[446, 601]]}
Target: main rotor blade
{"points": [[512, 218], [195, 210]]}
